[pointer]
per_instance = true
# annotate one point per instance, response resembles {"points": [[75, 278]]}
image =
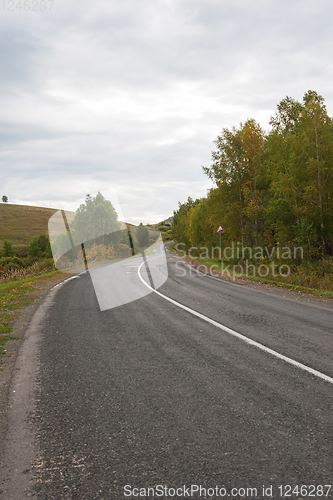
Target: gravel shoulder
{"points": [[9, 356]]}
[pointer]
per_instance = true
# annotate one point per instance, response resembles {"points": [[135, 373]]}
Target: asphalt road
{"points": [[148, 394]]}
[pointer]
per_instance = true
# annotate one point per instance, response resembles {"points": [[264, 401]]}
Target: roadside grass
{"points": [[15, 295], [39, 267], [313, 278]]}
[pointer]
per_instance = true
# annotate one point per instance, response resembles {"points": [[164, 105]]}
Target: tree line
{"points": [[271, 188], [95, 225]]}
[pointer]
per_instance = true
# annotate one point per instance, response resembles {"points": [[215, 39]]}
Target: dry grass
{"points": [[20, 223], [44, 266]]}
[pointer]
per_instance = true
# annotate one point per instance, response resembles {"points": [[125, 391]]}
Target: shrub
{"points": [[100, 252], [11, 266], [4, 261], [28, 261], [21, 251], [40, 247], [45, 264], [34, 249], [124, 251], [7, 249]]}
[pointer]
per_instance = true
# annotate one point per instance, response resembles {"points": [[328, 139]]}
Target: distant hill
{"points": [[21, 223], [170, 220]]}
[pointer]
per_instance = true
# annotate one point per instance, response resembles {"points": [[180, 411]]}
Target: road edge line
{"points": [[245, 339]]}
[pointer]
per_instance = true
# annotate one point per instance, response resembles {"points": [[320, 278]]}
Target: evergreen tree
{"points": [[7, 249]]}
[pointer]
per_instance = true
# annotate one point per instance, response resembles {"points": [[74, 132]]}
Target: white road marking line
{"points": [[239, 335], [68, 279]]}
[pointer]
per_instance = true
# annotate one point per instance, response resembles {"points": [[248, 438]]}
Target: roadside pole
{"points": [[220, 230]]}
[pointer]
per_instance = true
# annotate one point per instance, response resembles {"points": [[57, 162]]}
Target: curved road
{"points": [[147, 394]]}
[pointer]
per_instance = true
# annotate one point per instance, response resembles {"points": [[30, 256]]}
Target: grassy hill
{"points": [[21, 223], [165, 228]]}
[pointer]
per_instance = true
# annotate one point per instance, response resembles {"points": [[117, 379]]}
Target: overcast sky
{"points": [[130, 94]]}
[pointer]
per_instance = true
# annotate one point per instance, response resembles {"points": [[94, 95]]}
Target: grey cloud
{"points": [[16, 133], [18, 58], [134, 93]]}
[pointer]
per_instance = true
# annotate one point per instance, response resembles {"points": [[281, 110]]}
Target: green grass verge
{"points": [[293, 277], [15, 295], [297, 288]]}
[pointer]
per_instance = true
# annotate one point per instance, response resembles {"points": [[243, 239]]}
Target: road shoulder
{"points": [[12, 348], [278, 291]]}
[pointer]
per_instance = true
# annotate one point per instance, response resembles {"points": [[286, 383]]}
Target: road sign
{"points": [[220, 230]]}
